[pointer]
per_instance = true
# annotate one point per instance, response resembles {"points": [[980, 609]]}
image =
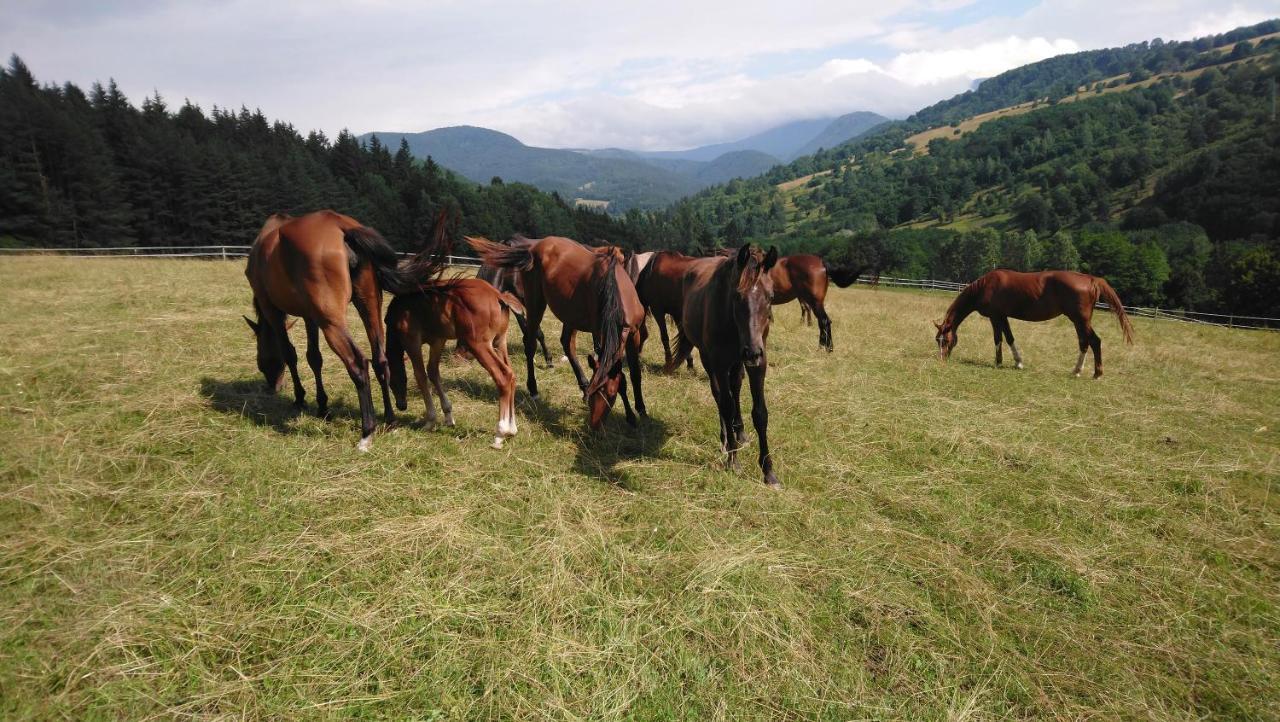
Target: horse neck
{"points": [[960, 308]]}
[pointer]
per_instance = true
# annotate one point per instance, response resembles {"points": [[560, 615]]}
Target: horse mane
{"points": [[612, 317], [751, 273]]}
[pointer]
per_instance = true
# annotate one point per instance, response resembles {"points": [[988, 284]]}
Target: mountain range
{"points": [[624, 179]]}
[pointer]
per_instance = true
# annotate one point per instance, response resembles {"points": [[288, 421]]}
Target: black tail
{"points": [[683, 348], [368, 246], [612, 319], [844, 276]]}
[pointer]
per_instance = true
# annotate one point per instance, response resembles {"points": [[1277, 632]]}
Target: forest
{"points": [[1167, 186]]}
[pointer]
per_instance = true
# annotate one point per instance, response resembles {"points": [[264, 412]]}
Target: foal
{"points": [[1001, 295], [466, 309]]}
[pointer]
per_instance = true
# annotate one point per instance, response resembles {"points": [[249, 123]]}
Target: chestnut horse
{"points": [[469, 310], [661, 287], [726, 317], [804, 277], [588, 290], [508, 280], [1001, 295], [312, 266]]}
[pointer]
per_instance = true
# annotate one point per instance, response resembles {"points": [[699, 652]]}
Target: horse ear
{"points": [[744, 254], [252, 326], [771, 257], [937, 325]]}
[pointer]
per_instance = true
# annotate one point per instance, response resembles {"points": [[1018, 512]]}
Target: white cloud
{"points": [[663, 73]]}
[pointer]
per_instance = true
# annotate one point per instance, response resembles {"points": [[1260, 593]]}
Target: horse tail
{"points": [[684, 347], [510, 301], [368, 246], [518, 256], [842, 276], [1108, 294], [612, 319]]}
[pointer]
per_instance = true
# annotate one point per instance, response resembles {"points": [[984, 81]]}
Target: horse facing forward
{"points": [[725, 315], [1001, 295]]}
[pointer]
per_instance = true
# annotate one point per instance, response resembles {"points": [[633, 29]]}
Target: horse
{"points": [[311, 267], [725, 316], [1002, 294], [804, 277], [469, 310], [588, 290], [508, 280], [661, 287]]}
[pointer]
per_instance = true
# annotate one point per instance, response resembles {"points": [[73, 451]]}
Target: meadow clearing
{"points": [[953, 541]]}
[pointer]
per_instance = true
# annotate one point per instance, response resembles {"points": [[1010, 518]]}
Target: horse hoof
{"points": [[429, 424], [631, 420], [497, 443], [448, 419], [564, 359], [365, 444], [1019, 365]]}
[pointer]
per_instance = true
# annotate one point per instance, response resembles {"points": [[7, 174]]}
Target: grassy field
{"points": [[953, 541]]}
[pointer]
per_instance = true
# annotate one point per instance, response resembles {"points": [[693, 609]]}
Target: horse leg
{"points": [[635, 345], [735, 394], [433, 373], [315, 360], [532, 330], [368, 301], [824, 327], [345, 347], [546, 353], [997, 328], [1082, 336], [505, 381], [661, 319], [1096, 344], [718, 392], [760, 419], [414, 350], [1013, 346], [805, 314], [568, 339], [626, 404]]}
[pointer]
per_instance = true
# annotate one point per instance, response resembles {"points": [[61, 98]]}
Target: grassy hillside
{"points": [[954, 541]]}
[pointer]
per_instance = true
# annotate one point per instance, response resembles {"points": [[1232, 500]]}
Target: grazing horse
{"points": [[804, 277], [311, 267], [588, 290], [1001, 295], [469, 310], [661, 287], [726, 317], [508, 280]]}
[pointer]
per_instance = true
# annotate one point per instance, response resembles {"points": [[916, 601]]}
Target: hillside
{"points": [[840, 131], [1154, 164], [481, 154], [781, 142]]}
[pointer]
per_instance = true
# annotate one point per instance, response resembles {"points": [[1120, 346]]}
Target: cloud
{"points": [[658, 74]]}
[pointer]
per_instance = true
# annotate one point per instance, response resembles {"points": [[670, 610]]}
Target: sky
{"points": [[651, 75]]}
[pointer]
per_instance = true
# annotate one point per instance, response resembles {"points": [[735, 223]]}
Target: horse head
{"points": [[946, 338], [752, 297], [270, 362]]}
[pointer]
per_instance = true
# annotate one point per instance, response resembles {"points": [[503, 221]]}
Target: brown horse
{"points": [[469, 310], [1001, 295], [804, 277], [661, 287], [312, 267], [508, 280], [726, 317], [588, 290]]}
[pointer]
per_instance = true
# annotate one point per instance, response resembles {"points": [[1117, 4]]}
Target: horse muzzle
{"points": [[752, 357]]}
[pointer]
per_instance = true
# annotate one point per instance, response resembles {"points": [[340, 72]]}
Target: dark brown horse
{"points": [[588, 290], [726, 317], [1001, 295], [312, 267], [660, 284], [804, 277], [469, 310], [509, 281]]}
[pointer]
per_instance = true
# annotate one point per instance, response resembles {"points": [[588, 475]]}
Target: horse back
{"points": [[301, 266]]}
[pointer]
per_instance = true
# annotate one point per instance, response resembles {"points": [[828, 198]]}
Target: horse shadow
{"points": [[247, 398], [599, 452]]}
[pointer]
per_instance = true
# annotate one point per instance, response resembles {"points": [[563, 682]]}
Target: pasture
{"points": [[952, 541]]}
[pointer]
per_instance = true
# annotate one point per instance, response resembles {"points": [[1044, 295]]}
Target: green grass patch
{"points": [[954, 540]]}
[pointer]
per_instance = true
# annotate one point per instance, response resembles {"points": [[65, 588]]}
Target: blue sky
{"points": [[660, 74]]}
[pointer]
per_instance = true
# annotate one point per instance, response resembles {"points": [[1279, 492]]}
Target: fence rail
{"points": [[229, 252]]}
